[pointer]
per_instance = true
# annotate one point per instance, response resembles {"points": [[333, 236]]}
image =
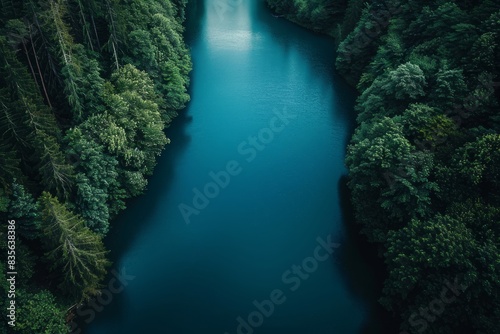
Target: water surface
{"points": [[284, 194]]}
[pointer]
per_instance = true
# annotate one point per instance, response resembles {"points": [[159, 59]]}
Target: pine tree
{"points": [[72, 248], [25, 211]]}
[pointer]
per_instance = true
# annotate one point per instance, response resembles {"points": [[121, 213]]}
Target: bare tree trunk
{"points": [[29, 63], [113, 35], [85, 26], [39, 70], [95, 31]]}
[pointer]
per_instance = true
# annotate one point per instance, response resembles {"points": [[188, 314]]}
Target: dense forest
{"points": [[424, 160], [86, 91]]}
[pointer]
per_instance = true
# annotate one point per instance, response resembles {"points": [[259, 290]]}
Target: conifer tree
{"points": [[72, 248]]}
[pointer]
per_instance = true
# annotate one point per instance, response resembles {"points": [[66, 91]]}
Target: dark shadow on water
{"points": [[143, 205], [321, 47], [194, 20], [364, 279], [362, 269], [129, 223], [124, 229]]}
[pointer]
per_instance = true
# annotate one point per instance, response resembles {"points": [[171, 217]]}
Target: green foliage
{"points": [[123, 142], [319, 15], [421, 246], [4, 201], [383, 165], [483, 53], [151, 39], [391, 92], [79, 120], [95, 181], [407, 81], [479, 162], [39, 313], [72, 248], [427, 127], [355, 51], [25, 211], [423, 162], [9, 165], [25, 263], [56, 173], [437, 151], [352, 15], [449, 89], [138, 115]]}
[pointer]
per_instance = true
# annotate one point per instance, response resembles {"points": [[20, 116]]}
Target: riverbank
{"points": [[248, 232], [421, 187], [87, 91]]}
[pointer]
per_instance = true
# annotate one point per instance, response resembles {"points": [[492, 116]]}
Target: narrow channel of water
{"points": [[263, 141]]}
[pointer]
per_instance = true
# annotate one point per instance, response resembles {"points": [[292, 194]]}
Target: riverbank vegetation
{"points": [[424, 159], [86, 91]]}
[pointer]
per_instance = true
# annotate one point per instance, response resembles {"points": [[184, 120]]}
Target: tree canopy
{"points": [[423, 161], [87, 89]]}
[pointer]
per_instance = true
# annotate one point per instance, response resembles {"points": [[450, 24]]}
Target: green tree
{"points": [[25, 211], [449, 90], [427, 127], [72, 248], [4, 201], [9, 165], [423, 159], [39, 313], [407, 81], [391, 92], [385, 167], [57, 174], [96, 178], [422, 247], [474, 169], [79, 120]]}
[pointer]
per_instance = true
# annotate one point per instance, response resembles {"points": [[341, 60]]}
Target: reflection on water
{"points": [[228, 26]]}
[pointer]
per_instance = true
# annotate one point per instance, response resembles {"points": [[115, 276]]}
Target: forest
{"points": [[424, 159], [87, 89]]}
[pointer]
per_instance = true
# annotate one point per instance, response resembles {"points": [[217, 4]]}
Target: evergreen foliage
{"points": [[423, 161], [87, 89]]}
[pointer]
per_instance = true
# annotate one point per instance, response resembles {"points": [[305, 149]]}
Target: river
{"points": [[244, 227]]}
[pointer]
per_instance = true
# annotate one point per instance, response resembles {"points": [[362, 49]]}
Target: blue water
{"points": [[200, 271]]}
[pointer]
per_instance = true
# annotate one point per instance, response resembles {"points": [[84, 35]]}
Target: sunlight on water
{"points": [[228, 26], [201, 277]]}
